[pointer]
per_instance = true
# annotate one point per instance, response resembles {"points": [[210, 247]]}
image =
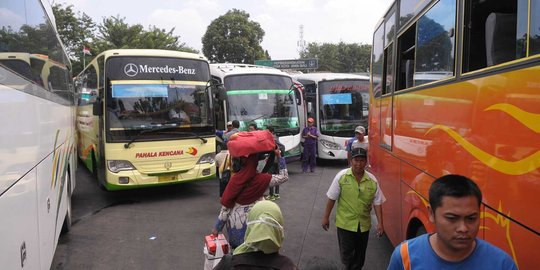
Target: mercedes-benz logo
{"points": [[167, 164], [131, 70]]}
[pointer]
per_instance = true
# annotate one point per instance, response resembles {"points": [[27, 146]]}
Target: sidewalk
{"points": [[303, 201]]}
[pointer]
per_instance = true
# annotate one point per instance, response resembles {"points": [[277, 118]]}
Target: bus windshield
{"points": [[344, 105], [133, 106], [263, 99]]}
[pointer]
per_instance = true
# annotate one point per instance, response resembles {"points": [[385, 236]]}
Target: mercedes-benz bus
{"points": [[145, 118]]}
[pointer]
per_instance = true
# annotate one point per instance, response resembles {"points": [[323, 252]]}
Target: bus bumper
{"points": [[134, 179]]}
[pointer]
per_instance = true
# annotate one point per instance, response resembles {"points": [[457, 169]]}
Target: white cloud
{"points": [[330, 21], [188, 23]]}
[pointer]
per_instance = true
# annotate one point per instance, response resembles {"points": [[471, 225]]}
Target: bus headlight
{"points": [[119, 165], [330, 145], [206, 158]]}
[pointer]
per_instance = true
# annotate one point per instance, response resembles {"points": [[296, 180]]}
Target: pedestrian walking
{"points": [[252, 127], [355, 191], [246, 186], [310, 135], [454, 208], [359, 140], [273, 192], [235, 129], [264, 237]]}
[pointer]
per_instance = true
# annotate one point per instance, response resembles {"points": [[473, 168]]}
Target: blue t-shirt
{"points": [[422, 256]]}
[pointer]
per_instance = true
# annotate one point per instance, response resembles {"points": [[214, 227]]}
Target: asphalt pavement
{"points": [[163, 228]]}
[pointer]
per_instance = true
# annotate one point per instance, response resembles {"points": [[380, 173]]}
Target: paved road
{"points": [[163, 228]]}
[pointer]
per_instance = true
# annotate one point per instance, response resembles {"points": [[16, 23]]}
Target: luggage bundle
{"points": [[215, 247], [243, 144]]}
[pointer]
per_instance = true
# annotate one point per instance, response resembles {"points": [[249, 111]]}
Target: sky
{"points": [[324, 21]]}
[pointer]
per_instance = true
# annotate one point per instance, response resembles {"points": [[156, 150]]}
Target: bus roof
{"points": [[317, 77], [151, 52], [226, 69]]}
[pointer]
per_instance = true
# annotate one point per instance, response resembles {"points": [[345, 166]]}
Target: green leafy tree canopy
{"points": [[341, 57], [234, 38]]}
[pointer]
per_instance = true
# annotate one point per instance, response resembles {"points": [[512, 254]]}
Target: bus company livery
{"points": [[262, 95], [145, 118], [338, 102], [37, 139], [455, 89]]}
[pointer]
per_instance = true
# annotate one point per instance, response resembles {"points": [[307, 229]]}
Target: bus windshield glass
{"points": [[344, 105], [173, 108], [263, 99]]}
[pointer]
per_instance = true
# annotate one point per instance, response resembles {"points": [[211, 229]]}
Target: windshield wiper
{"points": [[264, 115], [126, 145], [192, 133]]}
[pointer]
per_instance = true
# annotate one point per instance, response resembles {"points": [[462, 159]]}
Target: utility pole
{"points": [[301, 42]]}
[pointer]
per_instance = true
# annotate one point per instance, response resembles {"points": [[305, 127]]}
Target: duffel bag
{"points": [[243, 144]]}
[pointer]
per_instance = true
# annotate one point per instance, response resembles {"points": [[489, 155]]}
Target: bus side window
{"points": [[490, 32], [534, 36]]}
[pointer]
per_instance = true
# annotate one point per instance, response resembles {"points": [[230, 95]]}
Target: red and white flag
{"points": [[86, 50]]}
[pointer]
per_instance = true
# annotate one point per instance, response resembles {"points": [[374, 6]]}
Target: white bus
{"points": [[338, 102], [37, 139], [262, 95], [145, 118]]}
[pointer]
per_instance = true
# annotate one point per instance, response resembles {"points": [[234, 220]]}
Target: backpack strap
{"points": [[405, 259]]}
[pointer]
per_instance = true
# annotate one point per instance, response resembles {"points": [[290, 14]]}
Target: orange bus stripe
{"points": [[404, 251]]}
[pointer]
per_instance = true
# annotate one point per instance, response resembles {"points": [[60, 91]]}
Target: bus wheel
{"points": [[95, 172], [421, 230], [68, 219]]}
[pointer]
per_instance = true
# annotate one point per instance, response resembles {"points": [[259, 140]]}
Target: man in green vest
{"points": [[356, 191]]}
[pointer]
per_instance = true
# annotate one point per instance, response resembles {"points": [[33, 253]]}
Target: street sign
{"points": [[312, 63]]}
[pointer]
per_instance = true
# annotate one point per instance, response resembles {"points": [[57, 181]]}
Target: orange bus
{"points": [[455, 88]]}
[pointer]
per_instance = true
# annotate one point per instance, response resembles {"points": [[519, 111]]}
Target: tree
{"points": [[234, 38], [79, 30], [76, 31], [342, 57]]}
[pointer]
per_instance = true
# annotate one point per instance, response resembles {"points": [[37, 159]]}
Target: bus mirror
{"points": [[221, 93], [97, 109]]}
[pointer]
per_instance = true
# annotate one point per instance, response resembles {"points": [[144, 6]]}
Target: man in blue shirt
{"points": [[454, 208]]}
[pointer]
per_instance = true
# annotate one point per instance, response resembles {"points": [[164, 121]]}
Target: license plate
{"points": [[167, 178]]}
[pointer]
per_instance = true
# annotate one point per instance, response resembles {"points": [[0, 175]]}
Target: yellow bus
{"points": [[455, 89], [145, 118]]}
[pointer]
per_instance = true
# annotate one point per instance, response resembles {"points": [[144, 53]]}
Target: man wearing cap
{"points": [[310, 135], [359, 140], [355, 191], [235, 125]]}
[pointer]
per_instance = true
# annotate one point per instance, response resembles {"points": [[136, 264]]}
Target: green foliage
{"points": [[342, 57], [79, 30], [234, 38]]}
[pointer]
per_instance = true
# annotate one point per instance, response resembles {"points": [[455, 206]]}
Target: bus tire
{"points": [[95, 173], [421, 230], [66, 226]]}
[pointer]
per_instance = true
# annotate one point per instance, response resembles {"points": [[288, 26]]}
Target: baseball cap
{"points": [[360, 129], [359, 152], [310, 120], [229, 123]]}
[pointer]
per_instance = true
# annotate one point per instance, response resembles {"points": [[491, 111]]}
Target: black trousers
{"points": [[352, 248]]}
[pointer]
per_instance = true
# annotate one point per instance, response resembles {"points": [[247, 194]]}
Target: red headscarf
{"points": [[246, 186]]}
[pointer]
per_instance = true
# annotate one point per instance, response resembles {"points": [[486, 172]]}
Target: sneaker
{"points": [[268, 197], [272, 198], [276, 197]]}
